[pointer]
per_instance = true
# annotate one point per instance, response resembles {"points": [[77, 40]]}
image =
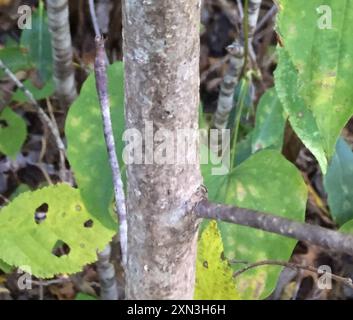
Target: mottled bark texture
{"points": [[161, 55], [107, 279], [236, 63], [64, 77]]}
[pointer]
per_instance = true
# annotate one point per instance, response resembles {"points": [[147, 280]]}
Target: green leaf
{"points": [[20, 189], [213, 274], [84, 296], [15, 58], [5, 267], [38, 93], [347, 227], [87, 151], [270, 122], [29, 245], [323, 57], [265, 182], [13, 132], [339, 183], [300, 116], [38, 42]]}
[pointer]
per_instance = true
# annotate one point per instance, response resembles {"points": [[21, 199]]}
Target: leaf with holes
{"points": [[13, 132], [87, 151], [213, 273], [323, 60], [37, 41], [339, 183], [266, 182], [50, 231], [270, 122]]}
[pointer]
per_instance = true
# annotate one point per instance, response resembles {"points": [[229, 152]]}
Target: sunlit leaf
{"points": [[268, 183], [87, 150], [31, 244], [214, 279]]}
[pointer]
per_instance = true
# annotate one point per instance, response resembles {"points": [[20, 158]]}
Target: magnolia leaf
{"points": [[266, 182], [13, 132], [339, 183], [213, 273], [87, 151], [49, 232], [270, 123], [321, 50]]}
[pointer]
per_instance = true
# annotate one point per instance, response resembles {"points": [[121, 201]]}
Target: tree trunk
{"points": [[161, 55]]}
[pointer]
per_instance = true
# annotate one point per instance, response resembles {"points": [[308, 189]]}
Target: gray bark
{"points": [[320, 236], [64, 77], [161, 55]]}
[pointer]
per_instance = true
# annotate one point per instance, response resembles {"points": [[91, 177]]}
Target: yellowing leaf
{"points": [[213, 274], [35, 245]]}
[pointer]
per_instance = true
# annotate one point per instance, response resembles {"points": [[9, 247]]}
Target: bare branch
{"points": [[42, 115], [317, 235], [346, 281], [96, 25], [101, 84]]}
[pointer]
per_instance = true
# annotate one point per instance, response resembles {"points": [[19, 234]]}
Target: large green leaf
{"points": [[27, 244], [213, 274], [37, 41], [270, 122], [265, 182], [87, 151], [339, 183], [300, 116], [323, 57], [13, 132]]}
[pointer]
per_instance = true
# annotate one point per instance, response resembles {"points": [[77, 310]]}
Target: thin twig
{"points": [[317, 235], [95, 24], [269, 15], [94, 19], [101, 84], [42, 115], [346, 281]]}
